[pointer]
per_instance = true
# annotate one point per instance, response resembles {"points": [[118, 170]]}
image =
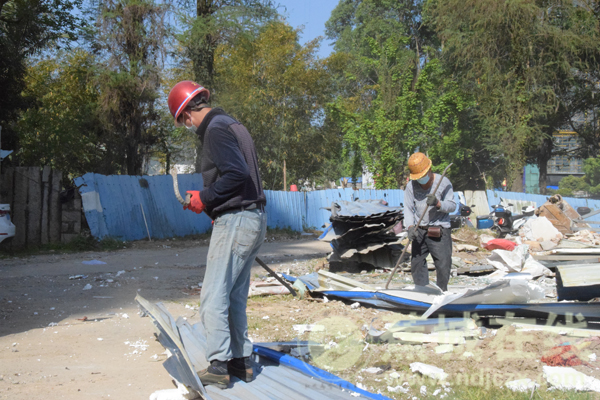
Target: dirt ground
{"points": [[70, 330]]}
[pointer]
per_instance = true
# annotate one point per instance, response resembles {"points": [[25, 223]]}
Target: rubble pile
{"points": [[364, 232]]}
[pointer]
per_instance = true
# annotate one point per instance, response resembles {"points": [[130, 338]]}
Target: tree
{"points": [[279, 89], [218, 22], [395, 96], [26, 28], [62, 128], [520, 59], [133, 35], [589, 183], [215, 23]]}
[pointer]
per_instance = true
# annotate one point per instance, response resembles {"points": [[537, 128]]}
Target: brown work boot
{"points": [[241, 368], [216, 374]]}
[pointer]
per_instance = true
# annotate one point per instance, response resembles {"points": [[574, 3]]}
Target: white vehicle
{"points": [[7, 228]]}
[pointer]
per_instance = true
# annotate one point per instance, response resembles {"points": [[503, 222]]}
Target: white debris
{"points": [[120, 273], [539, 229], [53, 324], [395, 375], [522, 385], [467, 354], [181, 393], [140, 345], [361, 386], [567, 378], [325, 299], [266, 317], [592, 357], [124, 316], [308, 328], [444, 348], [87, 287], [372, 370], [100, 339], [354, 306], [355, 394], [429, 370], [423, 390], [398, 388], [436, 392]]}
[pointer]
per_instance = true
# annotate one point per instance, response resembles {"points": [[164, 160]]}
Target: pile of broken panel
{"points": [[363, 233]]}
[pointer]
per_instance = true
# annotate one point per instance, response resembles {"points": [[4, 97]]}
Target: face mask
{"points": [[424, 180], [192, 128]]}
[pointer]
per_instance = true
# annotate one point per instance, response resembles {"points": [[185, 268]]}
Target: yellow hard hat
{"points": [[418, 164]]}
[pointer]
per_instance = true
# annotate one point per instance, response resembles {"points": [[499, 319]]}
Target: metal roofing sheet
{"points": [[273, 379], [579, 275]]}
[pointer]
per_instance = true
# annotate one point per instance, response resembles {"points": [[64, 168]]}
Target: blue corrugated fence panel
{"points": [[113, 206]]}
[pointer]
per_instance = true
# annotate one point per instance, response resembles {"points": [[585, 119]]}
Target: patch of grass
{"points": [[465, 392], [282, 233], [83, 242]]}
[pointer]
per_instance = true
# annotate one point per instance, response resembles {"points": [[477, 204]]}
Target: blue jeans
{"points": [[234, 243]]}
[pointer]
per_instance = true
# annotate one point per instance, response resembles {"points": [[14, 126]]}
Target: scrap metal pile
{"points": [[364, 232]]}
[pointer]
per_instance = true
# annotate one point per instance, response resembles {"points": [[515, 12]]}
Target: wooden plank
{"points": [[54, 208], [45, 238], [34, 207], [560, 330], [556, 257], [335, 278], [19, 213], [6, 186], [448, 337]]}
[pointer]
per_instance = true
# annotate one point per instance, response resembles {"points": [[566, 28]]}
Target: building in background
{"points": [[559, 166], [565, 164]]}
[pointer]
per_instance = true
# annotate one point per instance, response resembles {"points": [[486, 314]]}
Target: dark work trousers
{"points": [[441, 252]]}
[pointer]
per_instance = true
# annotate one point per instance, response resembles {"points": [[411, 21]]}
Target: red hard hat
{"points": [[181, 94]]}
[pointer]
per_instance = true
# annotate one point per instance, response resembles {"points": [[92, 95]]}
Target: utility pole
{"points": [[284, 177]]}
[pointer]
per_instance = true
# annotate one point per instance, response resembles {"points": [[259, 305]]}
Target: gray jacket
{"points": [[415, 204]]}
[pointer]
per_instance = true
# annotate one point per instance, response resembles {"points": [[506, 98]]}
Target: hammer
{"points": [[187, 200]]}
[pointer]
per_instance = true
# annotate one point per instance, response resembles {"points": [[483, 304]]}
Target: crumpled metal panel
{"points": [[361, 209], [272, 381]]}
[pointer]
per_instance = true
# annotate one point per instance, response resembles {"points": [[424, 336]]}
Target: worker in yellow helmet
{"points": [[433, 235]]}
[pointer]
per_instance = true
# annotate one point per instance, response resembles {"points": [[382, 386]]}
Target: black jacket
{"points": [[229, 165]]}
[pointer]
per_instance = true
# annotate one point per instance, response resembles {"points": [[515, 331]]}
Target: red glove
{"points": [[196, 204]]}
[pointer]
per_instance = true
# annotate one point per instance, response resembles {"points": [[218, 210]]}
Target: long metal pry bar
{"points": [[187, 201]]}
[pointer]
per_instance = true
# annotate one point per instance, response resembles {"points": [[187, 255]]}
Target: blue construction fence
{"points": [[122, 206]]}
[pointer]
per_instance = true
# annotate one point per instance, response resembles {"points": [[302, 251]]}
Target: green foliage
{"points": [[63, 129], [570, 184], [520, 60], [589, 183], [591, 168], [217, 23], [133, 33], [26, 28], [278, 89], [396, 97]]}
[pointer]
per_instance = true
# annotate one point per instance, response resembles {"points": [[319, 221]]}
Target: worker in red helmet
{"points": [[233, 197]]}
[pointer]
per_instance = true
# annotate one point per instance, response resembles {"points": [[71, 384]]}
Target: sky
{"points": [[312, 14]]}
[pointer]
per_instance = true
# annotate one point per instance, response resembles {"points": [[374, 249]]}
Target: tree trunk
{"points": [[544, 155], [284, 177]]}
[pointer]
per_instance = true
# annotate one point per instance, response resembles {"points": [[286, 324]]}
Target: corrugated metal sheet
{"points": [[273, 380], [112, 205]]}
